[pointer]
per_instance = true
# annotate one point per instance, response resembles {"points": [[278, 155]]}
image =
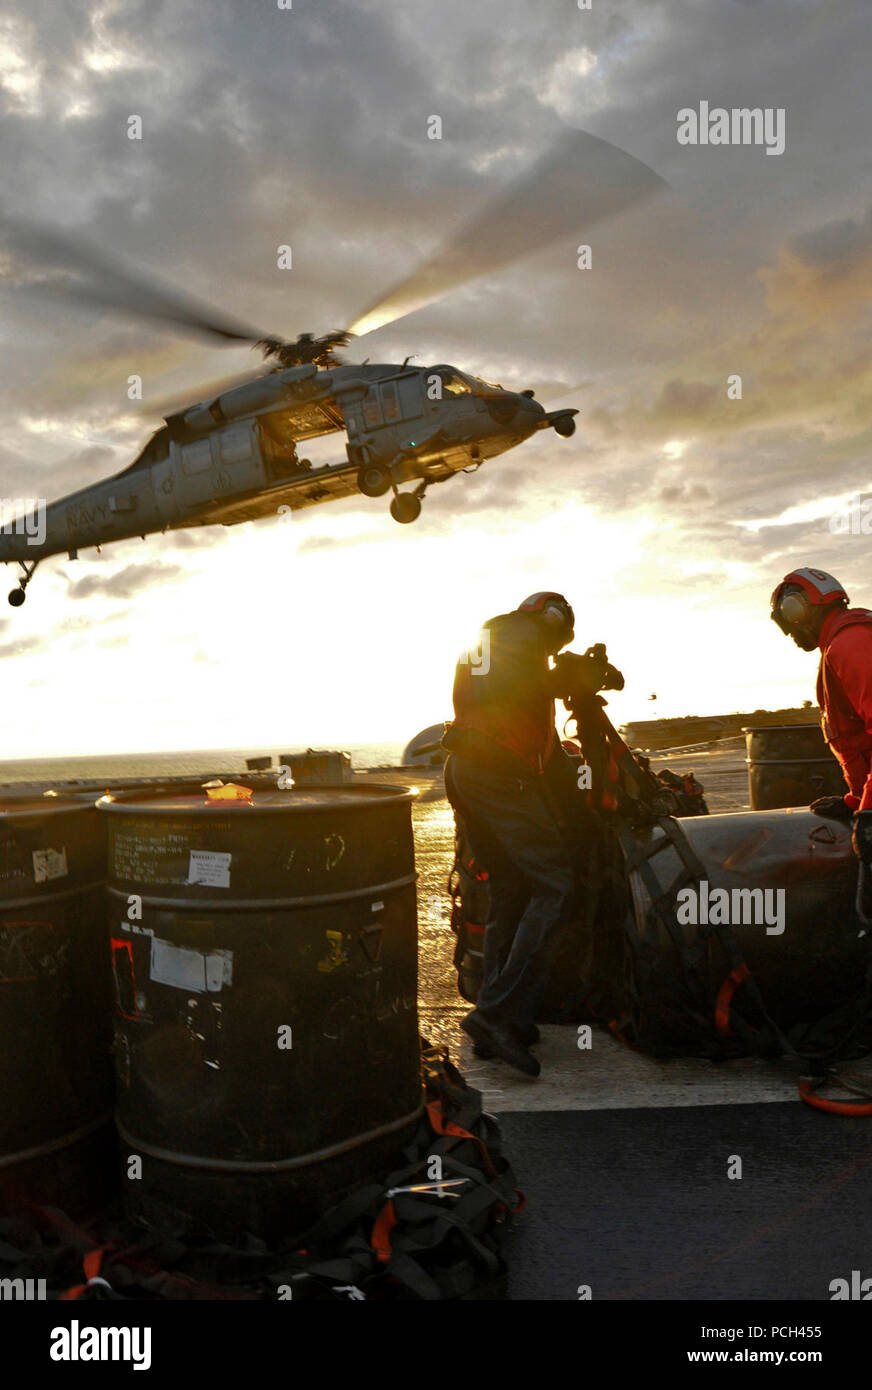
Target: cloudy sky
{"points": [[668, 517]]}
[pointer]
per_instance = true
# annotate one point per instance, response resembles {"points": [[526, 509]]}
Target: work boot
{"points": [[501, 1041], [528, 1037]]}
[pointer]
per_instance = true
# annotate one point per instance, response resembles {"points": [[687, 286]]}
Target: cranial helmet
{"points": [[800, 595], [556, 613]]}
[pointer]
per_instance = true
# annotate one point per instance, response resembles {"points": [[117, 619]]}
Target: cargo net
{"points": [[406, 1236], [630, 966], [641, 975]]}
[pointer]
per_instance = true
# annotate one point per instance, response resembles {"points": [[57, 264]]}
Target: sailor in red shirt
{"points": [[811, 607], [505, 777]]}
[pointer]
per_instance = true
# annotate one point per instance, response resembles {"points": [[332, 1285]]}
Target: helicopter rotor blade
{"points": [[580, 180], [71, 269]]}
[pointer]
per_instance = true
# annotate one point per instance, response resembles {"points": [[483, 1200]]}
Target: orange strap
{"points": [[443, 1126], [380, 1240], [381, 1232], [725, 994], [609, 799], [91, 1264], [832, 1107]]}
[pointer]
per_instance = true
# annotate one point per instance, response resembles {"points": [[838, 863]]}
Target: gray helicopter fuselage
{"points": [[234, 458]]}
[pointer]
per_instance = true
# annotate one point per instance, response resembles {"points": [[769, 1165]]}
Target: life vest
{"points": [[844, 727], [503, 698]]}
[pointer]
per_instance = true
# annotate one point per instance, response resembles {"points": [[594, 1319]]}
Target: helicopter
{"points": [[233, 456]]}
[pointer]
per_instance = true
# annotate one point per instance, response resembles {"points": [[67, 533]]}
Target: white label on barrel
{"points": [[196, 971], [48, 864], [210, 867]]}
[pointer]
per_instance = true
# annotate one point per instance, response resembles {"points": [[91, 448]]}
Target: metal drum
{"points": [[265, 965], [790, 765], [153, 786], [57, 1145], [818, 961]]}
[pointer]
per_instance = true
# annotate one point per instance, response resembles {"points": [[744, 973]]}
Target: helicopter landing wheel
{"points": [[565, 428], [16, 597], [373, 480], [406, 507]]}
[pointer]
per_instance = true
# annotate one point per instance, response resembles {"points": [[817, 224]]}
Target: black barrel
{"points": [[790, 765], [817, 962], [57, 1145], [265, 965]]}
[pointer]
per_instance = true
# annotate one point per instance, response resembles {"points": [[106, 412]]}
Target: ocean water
{"points": [[174, 764]]}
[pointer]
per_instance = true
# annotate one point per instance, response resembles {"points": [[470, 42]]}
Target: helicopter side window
{"points": [[410, 396], [390, 401], [234, 443], [197, 458], [372, 413]]}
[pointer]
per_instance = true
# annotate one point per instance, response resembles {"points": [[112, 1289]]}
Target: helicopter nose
{"points": [[531, 406], [508, 408]]}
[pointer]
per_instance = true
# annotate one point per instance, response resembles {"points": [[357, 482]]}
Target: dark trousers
{"points": [[518, 841]]}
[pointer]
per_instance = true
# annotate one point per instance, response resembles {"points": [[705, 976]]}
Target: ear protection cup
{"points": [[554, 615], [555, 610], [795, 609]]}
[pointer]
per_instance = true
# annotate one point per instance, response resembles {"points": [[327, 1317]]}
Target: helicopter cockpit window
{"points": [[453, 384]]}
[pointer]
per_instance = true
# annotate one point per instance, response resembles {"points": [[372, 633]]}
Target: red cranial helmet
{"points": [[800, 596], [556, 613]]}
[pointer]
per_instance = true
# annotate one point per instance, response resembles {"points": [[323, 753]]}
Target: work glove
{"points": [[833, 807], [862, 837]]}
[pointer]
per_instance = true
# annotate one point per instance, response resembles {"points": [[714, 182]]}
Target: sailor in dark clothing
{"points": [[507, 778]]}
